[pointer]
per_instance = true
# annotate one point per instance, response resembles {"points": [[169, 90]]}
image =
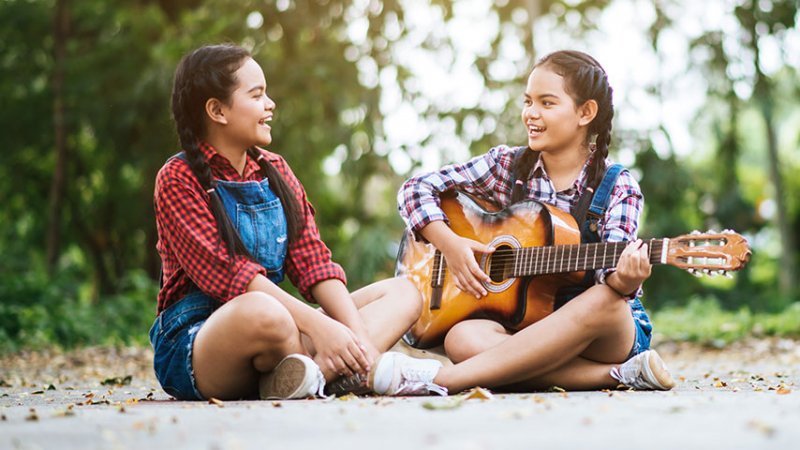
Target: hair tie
{"points": [[260, 156], [519, 182], [210, 191]]}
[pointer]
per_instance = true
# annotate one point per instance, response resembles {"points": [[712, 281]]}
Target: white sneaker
{"points": [[645, 371], [296, 376], [399, 374]]}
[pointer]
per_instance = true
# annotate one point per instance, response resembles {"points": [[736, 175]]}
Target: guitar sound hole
{"points": [[498, 263]]}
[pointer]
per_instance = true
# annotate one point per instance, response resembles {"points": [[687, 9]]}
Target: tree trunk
{"points": [[534, 12], [787, 266], [763, 94], [60, 35]]}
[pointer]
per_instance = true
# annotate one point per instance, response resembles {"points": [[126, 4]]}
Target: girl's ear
{"points": [[587, 112], [215, 111]]}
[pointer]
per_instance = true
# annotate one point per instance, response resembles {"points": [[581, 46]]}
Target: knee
{"points": [[263, 318], [410, 306], [462, 342], [597, 304]]}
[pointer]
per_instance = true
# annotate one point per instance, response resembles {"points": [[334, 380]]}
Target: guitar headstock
{"points": [[711, 252]]}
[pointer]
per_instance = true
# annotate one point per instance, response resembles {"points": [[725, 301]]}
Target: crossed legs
{"points": [[575, 347], [250, 334]]}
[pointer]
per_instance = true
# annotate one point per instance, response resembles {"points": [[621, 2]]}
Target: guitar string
{"points": [[507, 255], [511, 254]]}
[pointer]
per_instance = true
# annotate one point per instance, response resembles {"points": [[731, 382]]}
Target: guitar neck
{"points": [[520, 262]]}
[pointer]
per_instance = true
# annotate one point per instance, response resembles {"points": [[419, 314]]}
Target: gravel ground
{"points": [[742, 396]]}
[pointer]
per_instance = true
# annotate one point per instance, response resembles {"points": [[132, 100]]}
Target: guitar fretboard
{"points": [[520, 262]]}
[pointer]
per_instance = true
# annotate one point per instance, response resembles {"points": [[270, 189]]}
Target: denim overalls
{"points": [[258, 216], [588, 219]]}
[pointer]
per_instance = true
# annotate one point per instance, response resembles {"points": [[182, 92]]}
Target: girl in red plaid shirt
{"points": [[599, 338], [232, 220]]}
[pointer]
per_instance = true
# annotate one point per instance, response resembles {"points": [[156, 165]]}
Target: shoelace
{"points": [[320, 384], [414, 380], [634, 375]]}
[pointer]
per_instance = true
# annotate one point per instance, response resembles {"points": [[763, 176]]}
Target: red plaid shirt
{"points": [[188, 240]]}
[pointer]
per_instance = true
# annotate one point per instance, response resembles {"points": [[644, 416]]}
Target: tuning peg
{"points": [[695, 232], [727, 231], [708, 272], [712, 231], [727, 274]]}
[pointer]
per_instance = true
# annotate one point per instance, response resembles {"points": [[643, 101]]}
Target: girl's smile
{"points": [[551, 118]]}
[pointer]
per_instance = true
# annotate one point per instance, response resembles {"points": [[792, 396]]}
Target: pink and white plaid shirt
{"points": [[489, 176]]}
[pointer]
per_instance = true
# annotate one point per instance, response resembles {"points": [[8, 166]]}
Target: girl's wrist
{"points": [[618, 285]]}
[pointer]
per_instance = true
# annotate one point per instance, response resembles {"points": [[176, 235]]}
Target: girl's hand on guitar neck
{"points": [[633, 268]]}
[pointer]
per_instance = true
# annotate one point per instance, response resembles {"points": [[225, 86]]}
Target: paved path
{"points": [[747, 396]]}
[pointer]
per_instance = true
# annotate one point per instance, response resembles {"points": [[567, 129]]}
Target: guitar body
{"points": [[513, 302]]}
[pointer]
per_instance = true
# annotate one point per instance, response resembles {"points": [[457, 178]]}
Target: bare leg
{"points": [[596, 325], [245, 337], [472, 337], [388, 308]]}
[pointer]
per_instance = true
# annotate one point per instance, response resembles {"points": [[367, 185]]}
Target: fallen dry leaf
{"points": [[478, 393], [216, 401], [32, 416], [444, 404], [762, 427], [117, 381], [347, 397], [66, 412], [783, 390]]}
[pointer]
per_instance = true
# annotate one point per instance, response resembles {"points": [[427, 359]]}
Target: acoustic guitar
{"points": [[537, 252]]}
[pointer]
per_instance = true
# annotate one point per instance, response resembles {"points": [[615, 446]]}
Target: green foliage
{"points": [[40, 312], [327, 79], [703, 320]]}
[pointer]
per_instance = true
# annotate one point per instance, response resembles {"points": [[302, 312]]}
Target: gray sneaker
{"points": [[398, 374], [355, 384], [296, 376], [645, 371]]}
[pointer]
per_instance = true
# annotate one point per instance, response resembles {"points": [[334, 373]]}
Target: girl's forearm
{"points": [[335, 299], [437, 233]]}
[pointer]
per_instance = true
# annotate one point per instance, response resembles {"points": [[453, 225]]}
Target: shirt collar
{"points": [[221, 163], [540, 172]]}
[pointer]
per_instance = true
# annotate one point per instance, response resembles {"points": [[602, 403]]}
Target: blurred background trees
{"points": [[368, 93]]}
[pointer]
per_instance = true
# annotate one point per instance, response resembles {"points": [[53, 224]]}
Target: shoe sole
{"points": [[659, 371], [285, 380]]}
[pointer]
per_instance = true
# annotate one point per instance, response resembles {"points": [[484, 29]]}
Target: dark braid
{"points": [[585, 79], [209, 72], [524, 160], [294, 221]]}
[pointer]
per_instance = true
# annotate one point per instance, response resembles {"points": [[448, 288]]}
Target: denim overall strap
{"points": [[587, 222], [600, 201]]}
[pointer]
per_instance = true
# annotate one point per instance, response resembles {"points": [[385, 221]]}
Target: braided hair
{"points": [[210, 72], [584, 79]]}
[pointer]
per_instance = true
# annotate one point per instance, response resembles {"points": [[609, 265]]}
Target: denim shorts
{"points": [[644, 328], [172, 337]]}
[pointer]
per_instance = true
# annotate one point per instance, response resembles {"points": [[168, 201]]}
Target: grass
{"points": [[39, 313], [704, 321]]}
